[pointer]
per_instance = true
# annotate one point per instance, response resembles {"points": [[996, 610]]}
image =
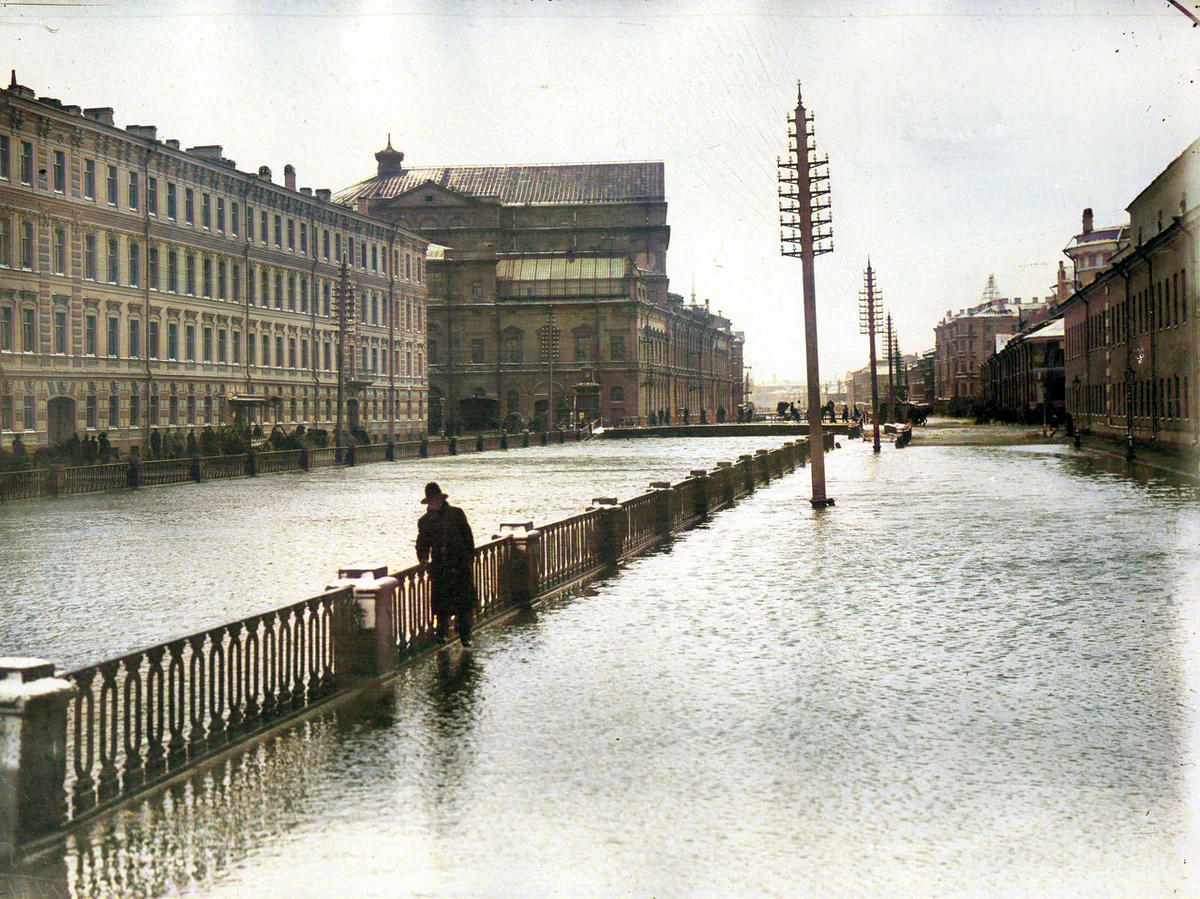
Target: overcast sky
{"points": [[964, 138]]}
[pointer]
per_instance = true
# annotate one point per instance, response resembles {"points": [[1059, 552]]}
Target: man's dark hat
{"points": [[432, 490]]}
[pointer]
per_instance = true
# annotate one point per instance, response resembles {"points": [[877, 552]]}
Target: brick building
{"points": [[548, 276], [964, 339], [144, 286], [1024, 380], [1131, 331]]}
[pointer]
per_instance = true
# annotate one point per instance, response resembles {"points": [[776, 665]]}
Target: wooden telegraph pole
{"points": [[891, 358], [805, 232], [868, 323]]}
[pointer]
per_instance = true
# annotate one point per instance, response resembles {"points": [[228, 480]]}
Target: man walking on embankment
{"points": [[444, 540]]}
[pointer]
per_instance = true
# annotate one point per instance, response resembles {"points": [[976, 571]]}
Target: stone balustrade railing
{"points": [[83, 741]]}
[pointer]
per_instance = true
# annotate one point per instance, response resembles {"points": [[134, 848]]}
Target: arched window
{"points": [[512, 402]]}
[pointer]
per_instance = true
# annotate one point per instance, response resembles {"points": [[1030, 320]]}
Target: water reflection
{"points": [[976, 675]]}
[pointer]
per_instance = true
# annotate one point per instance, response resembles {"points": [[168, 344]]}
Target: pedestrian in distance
{"points": [[445, 542]]}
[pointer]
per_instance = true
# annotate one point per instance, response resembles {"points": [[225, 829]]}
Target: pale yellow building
{"points": [[147, 286]]}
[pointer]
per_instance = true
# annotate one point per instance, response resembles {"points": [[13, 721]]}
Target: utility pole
{"points": [[891, 358], [344, 310], [868, 323], [805, 231]]}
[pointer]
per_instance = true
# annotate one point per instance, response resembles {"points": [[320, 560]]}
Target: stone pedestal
{"points": [[33, 751], [365, 646], [521, 581]]}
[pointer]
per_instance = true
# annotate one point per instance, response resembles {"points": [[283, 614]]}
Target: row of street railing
{"points": [[93, 737], [66, 480]]}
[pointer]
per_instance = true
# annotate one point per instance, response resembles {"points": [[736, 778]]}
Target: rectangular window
{"points": [[172, 204], [135, 338], [89, 335], [279, 231], [113, 261], [26, 162], [291, 294], [135, 409], [222, 344], [189, 275], [30, 417], [5, 250], [279, 290], [134, 259], [172, 340], [266, 350], [60, 171], [279, 352], [189, 342], [250, 282], [262, 226], [325, 243], [250, 223], [28, 333], [374, 258], [90, 412], [303, 294], [5, 149], [173, 410], [237, 347], [233, 217], [133, 190], [189, 206], [154, 409], [304, 354], [152, 268], [303, 238], [206, 281], [113, 335], [27, 245], [60, 251], [208, 410], [152, 338], [208, 344], [250, 349], [111, 185], [221, 279], [291, 234], [60, 331], [6, 412], [152, 196], [206, 210], [191, 410], [221, 215], [114, 410], [476, 349], [172, 271], [291, 352]]}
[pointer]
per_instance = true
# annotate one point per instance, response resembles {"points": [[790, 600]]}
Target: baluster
{"points": [[328, 680], [85, 742], [313, 632], [297, 657], [176, 701], [253, 671], [237, 677], [155, 713], [196, 695], [217, 679], [283, 693], [270, 666], [135, 776], [109, 716]]}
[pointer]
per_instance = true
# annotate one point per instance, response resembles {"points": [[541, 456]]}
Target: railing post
{"points": [[726, 475], [614, 522], [521, 581], [664, 516], [389, 450], [194, 471], [350, 454], [362, 644], [303, 459], [452, 449], [424, 447], [251, 463], [479, 444], [51, 481], [702, 482], [746, 462], [503, 441], [762, 464], [133, 475], [33, 751]]}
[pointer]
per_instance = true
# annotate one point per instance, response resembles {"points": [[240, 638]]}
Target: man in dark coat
{"points": [[444, 540]]}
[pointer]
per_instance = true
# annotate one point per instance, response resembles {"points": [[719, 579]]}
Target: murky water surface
{"points": [[977, 675]]}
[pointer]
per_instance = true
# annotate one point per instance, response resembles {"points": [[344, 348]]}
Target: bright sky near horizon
{"points": [[964, 138]]}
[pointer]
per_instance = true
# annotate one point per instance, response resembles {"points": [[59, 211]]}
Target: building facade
{"points": [[1132, 330], [144, 286], [549, 277], [964, 339], [1024, 380]]}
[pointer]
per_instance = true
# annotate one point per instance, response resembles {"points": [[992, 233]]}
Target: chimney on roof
{"points": [[101, 114], [307, 191], [147, 132], [391, 162], [1087, 220], [289, 176], [208, 151], [264, 172], [172, 143], [323, 193]]}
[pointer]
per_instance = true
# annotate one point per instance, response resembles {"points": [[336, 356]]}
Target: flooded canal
{"points": [[977, 675]]}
